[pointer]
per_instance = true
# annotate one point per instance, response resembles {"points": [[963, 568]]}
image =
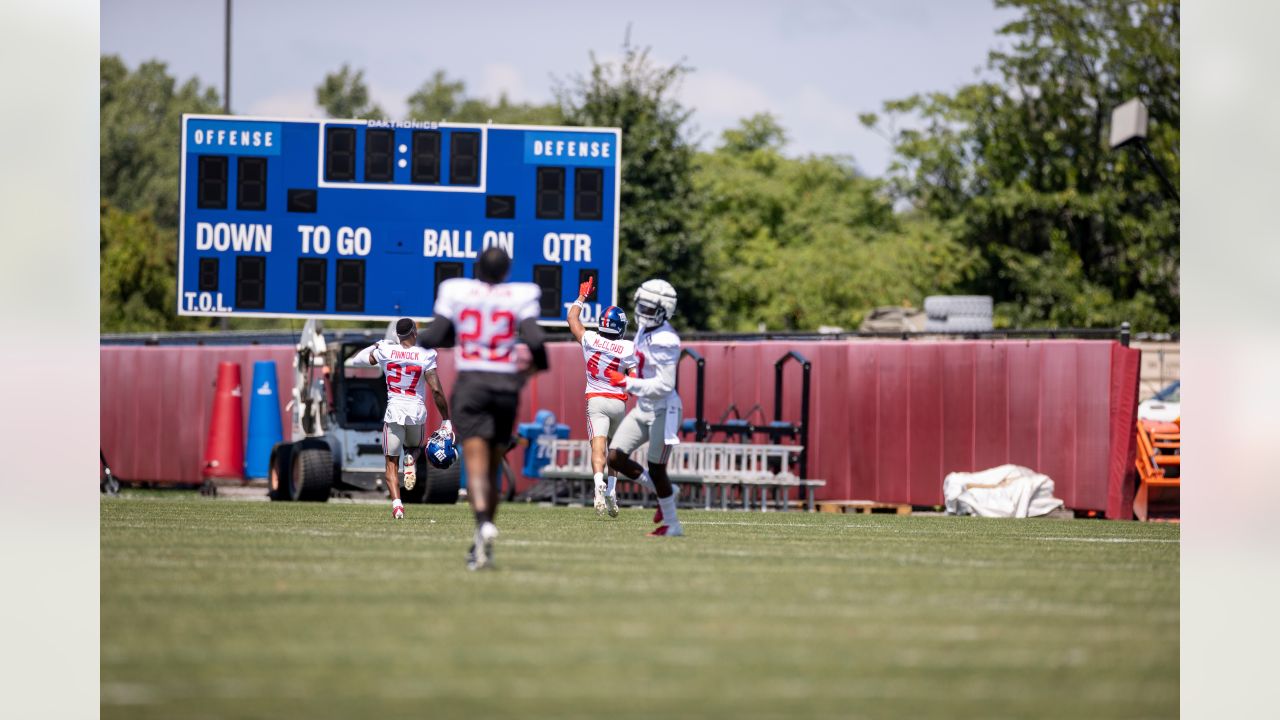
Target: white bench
{"points": [[750, 471]]}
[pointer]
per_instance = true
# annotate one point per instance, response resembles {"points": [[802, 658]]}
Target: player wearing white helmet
{"points": [[656, 416], [603, 349], [407, 369]]}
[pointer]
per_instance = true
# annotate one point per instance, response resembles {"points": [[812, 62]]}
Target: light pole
{"points": [[226, 62], [223, 322], [1129, 127]]}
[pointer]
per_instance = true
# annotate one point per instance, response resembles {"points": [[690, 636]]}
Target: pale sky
{"points": [[816, 65]]}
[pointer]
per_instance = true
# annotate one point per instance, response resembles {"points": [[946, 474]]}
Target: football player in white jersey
{"points": [[656, 416], [486, 318], [603, 350], [407, 369]]}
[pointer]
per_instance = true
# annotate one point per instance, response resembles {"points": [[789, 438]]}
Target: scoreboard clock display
{"points": [[357, 219]]}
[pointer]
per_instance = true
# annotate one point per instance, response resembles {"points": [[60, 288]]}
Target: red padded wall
{"points": [[156, 403], [889, 419]]}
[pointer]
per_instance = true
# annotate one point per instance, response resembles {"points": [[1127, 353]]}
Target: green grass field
{"points": [[222, 609]]}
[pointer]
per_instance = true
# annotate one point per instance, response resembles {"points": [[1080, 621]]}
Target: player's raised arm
{"points": [[575, 312], [368, 355]]}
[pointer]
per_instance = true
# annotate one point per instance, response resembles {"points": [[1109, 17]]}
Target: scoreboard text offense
{"points": [[358, 219]]}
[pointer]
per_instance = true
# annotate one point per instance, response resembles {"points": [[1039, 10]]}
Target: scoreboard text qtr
{"points": [[358, 219]]}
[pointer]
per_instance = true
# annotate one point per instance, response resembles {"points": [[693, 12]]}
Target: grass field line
{"points": [[932, 532], [319, 532], [330, 612], [292, 529]]}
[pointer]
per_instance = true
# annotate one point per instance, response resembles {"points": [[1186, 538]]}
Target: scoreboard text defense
{"points": [[356, 219]]}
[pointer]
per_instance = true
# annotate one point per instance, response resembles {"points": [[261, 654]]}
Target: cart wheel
{"points": [[280, 473], [311, 478]]}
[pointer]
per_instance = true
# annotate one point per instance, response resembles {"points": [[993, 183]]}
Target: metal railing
{"points": [[284, 336]]}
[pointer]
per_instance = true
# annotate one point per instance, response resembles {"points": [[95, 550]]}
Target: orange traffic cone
{"points": [[224, 450]]}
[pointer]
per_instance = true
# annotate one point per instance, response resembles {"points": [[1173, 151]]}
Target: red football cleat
{"points": [[657, 516], [397, 512], [667, 531]]}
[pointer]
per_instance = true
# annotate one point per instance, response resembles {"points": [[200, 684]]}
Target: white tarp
{"points": [[1004, 491]]}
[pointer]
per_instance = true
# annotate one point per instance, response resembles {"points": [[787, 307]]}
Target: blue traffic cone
{"points": [[264, 420]]}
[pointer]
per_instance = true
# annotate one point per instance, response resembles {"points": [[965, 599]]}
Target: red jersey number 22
{"points": [[500, 331]]}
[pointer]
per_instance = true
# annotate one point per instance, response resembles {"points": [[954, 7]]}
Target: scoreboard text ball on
{"points": [[363, 219]]}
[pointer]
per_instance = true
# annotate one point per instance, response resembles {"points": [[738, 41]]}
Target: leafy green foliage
{"points": [[1074, 233], [658, 236], [443, 99], [344, 94], [1011, 186], [798, 243], [141, 126], [140, 132], [135, 273]]}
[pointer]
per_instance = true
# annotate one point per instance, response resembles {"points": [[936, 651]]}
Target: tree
{"points": [[443, 99], [799, 243], [140, 129], [1072, 232], [344, 94], [657, 233], [136, 285]]}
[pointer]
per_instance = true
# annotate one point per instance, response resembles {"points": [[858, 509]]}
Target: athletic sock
{"points": [[483, 516], [612, 483], [396, 503], [598, 478], [646, 482], [668, 505]]}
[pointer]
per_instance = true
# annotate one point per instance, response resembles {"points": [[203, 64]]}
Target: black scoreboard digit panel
{"points": [[358, 219]]}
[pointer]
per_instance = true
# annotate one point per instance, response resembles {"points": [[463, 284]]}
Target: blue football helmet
{"points": [[441, 451], [613, 323]]}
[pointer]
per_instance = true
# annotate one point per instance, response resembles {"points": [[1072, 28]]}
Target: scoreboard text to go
{"points": [[356, 219]]}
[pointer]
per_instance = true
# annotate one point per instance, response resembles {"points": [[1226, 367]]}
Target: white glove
{"points": [[447, 426]]}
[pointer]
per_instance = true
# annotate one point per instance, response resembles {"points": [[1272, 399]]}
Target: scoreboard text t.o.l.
{"points": [[357, 219]]}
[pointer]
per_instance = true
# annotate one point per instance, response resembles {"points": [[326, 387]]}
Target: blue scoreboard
{"points": [[363, 219]]}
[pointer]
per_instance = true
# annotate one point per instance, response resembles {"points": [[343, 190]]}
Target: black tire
{"points": [[435, 486], [312, 475], [281, 472]]}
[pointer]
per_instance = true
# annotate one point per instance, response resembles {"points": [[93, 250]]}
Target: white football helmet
{"points": [[655, 302]]}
